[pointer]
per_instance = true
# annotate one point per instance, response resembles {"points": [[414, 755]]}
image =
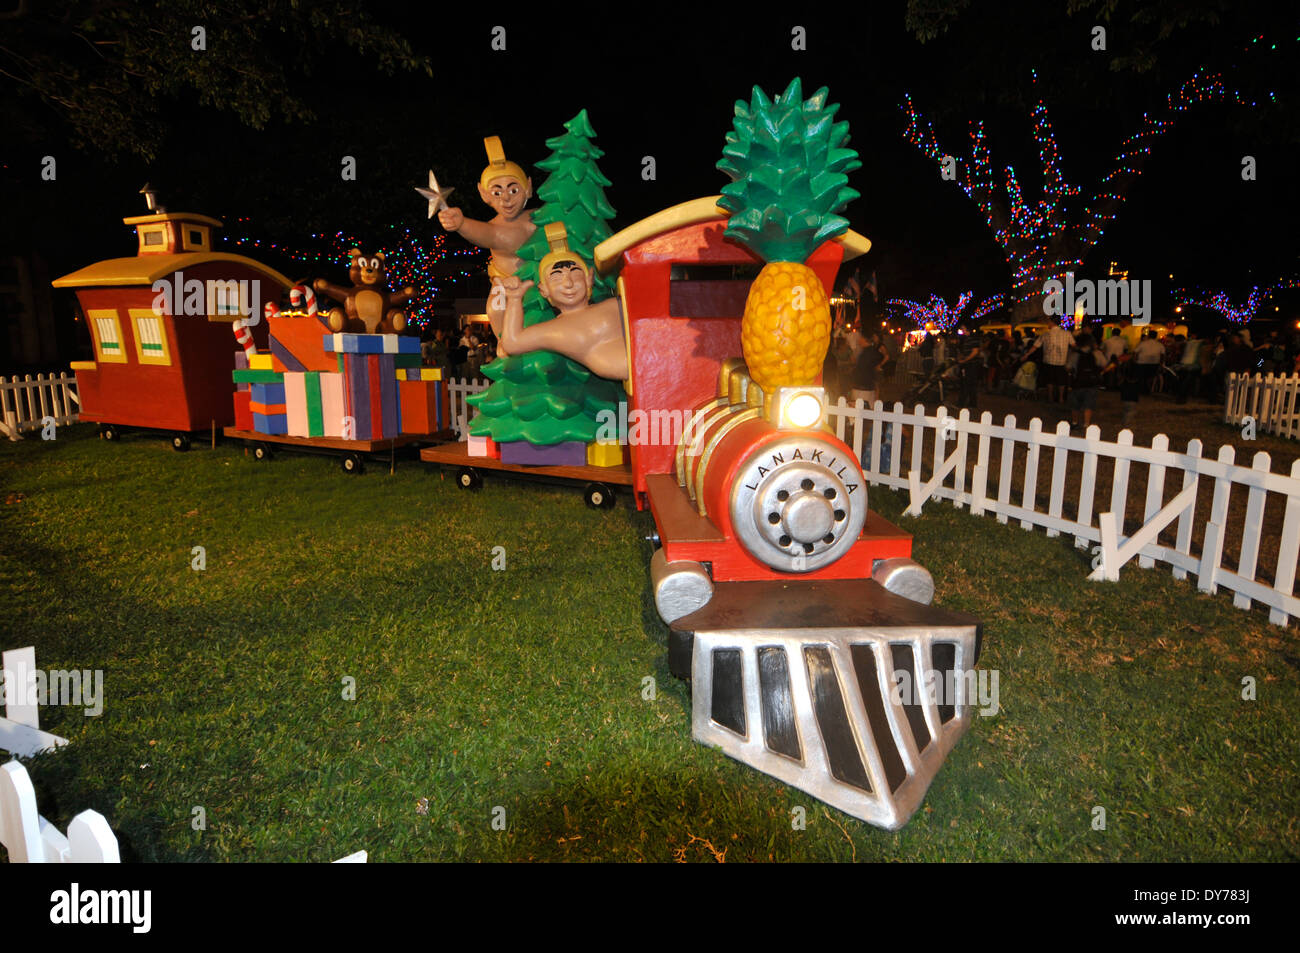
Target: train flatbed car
{"points": [[350, 452], [600, 481]]}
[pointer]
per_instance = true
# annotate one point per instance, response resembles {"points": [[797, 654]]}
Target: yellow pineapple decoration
{"points": [[788, 164]]}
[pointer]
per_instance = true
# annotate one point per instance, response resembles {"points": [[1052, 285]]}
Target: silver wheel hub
{"points": [[799, 503]]}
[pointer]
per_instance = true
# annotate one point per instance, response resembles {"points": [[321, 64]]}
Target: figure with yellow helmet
{"points": [[591, 334], [506, 188]]}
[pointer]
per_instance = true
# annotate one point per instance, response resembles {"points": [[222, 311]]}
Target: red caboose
{"points": [[160, 322]]}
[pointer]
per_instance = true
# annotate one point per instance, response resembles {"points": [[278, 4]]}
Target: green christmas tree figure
{"points": [[541, 396]]}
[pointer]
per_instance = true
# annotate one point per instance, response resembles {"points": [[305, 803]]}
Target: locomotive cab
{"points": [[756, 487]]}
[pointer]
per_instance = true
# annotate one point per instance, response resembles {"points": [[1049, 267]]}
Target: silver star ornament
{"points": [[437, 196]]}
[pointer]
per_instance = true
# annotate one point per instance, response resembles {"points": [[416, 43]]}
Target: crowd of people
{"points": [[1069, 368], [461, 354]]}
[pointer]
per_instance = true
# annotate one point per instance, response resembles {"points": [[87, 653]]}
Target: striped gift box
{"points": [[370, 395], [419, 373], [267, 393], [270, 423], [333, 405], [371, 344]]}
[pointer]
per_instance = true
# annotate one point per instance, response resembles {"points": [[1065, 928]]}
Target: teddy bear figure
{"points": [[368, 306]]}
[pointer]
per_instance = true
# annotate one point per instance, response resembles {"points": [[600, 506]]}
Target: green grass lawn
{"points": [[522, 688]]}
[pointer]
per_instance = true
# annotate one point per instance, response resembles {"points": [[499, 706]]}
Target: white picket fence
{"points": [[31, 839], [1273, 401], [25, 403], [956, 441], [458, 389]]}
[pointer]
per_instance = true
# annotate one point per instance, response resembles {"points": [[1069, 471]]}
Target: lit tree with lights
{"points": [[1220, 301], [938, 314], [1043, 240]]}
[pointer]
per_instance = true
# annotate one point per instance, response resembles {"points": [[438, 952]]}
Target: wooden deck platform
{"points": [[457, 455], [328, 443]]}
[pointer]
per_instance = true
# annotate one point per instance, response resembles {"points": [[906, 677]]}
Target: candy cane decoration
{"points": [[245, 336], [301, 292], [296, 295]]}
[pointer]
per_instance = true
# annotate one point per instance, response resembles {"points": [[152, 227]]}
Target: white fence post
{"points": [[1030, 495], [1251, 529], [20, 726], [1060, 456], [1191, 478], [457, 390], [31, 839], [1177, 515], [1284, 577], [1212, 545], [25, 403], [1087, 485]]}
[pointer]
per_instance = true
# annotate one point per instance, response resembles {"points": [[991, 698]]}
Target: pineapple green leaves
{"points": [[788, 161]]}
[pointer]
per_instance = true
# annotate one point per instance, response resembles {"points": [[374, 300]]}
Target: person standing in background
{"points": [[1113, 350], [970, 367], [855, 341], [1087, 381], [865, 370], [1055, 344], [1148, 356], [1189, 367]]}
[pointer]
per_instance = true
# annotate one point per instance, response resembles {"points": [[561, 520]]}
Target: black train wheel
{"points": [[599, 496]]}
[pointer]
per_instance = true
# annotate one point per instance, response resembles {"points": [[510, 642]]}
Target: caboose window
{"points": [[150, 338], [196, 238], [746, 272], [710, 291], [153, 236], [107, 333], [227, 299]]}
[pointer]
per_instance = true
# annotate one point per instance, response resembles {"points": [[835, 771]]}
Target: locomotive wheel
{"points": [[262, 451], [109, 432], [467, 478], [598, 496], [180, 442], [352, 463]]}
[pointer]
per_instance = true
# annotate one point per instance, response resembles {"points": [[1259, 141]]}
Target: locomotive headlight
{"points": [[797, 408]]}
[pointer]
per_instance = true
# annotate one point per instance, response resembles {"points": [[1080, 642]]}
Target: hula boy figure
{"points": [[591, 334], [506, 188]]}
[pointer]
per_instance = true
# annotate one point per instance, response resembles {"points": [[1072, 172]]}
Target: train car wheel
{"points": [[599, 496], [467, 478], [180, 442], [262, 451], [109, 432], [352, 463]]}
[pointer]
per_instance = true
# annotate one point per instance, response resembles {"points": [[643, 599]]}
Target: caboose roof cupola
{"points": [[170, 233]]}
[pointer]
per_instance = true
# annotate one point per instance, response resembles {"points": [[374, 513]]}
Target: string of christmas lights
{"points": [[936, 314], [1044, 239], [1220, 301], [410, 258]]}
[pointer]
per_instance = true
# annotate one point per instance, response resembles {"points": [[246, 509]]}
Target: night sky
{"points": [[662, 82]]}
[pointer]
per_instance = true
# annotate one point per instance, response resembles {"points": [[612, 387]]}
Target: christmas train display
{"points": [[795, 611], [160, 322], [680, 357]]}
